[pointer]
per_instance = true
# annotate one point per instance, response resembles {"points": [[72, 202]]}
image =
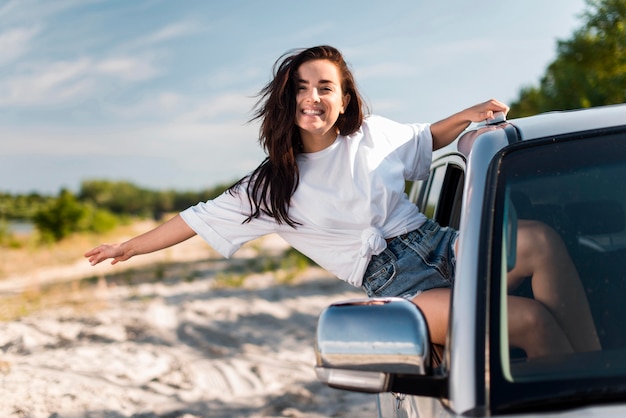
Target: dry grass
{"points": [[79, 292], [75, 295], [31, 254]]}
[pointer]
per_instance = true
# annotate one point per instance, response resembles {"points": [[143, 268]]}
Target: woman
{"points": [[333, 187]]}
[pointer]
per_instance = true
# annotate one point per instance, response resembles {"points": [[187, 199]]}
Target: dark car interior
{"points": [[572, 188]]}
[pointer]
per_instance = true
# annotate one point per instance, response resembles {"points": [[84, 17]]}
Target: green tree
{"points": [[66, 215], [63, 216], [101, 220], [21, 207], [118, 197], [590, 68], [128, 199]]}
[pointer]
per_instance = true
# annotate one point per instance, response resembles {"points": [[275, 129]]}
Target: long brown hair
{"points": [[272, 183]]}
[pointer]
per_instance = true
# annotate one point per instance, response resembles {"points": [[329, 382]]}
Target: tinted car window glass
{"points": [[449, 208], [575, 187]]}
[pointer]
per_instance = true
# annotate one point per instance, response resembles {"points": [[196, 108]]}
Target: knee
{"points": [[534, 329], [535, 321], [538, 239]]}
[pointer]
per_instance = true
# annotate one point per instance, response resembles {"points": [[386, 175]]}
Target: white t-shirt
{"points": [[349, 199]]}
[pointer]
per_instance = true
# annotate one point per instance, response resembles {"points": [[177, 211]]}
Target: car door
{"points": [[440, 198]]}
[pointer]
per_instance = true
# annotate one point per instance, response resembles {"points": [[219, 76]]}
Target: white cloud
{"points": [[48, 80], [14, 43], [179, 155], [168, 100], [56, 82], [231, 106], [127, 68], [169, 32], [163, 105], [150, 139], [220, 151], [30, 10], [186, 109], [385, 69], [62, 82], [237, 76]]}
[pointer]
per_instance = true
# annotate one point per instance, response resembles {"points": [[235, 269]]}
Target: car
{"points": [[566, 169]]}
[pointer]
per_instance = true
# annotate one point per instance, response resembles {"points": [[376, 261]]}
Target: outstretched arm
{"points": [[446, 130], [165, 235]]}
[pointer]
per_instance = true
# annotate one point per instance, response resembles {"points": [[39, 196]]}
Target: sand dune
{"points": [[176, 348]]}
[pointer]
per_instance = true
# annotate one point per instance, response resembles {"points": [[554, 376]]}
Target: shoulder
{"points": [[383, 123], [375, 120], [376, 125]]}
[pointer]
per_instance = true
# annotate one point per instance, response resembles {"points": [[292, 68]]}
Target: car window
{"points": [[431, 198], [574, 188], [441, 196], [449, 209]]}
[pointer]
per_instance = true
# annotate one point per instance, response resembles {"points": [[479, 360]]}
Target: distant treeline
{"points": [[128, 199], [98, 206]]}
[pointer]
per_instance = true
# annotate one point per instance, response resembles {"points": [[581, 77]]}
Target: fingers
{"points": [[92, 256], [90, 252], [101, 253], [486, 115], [95, 256], [493, 106], [486, 110]]}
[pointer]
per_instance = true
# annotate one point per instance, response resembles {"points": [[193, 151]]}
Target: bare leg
{"points": [[555, 282], [435, 305], [531, 326]]}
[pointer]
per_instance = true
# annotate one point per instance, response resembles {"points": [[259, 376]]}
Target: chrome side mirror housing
{"points": [[362, 344]]}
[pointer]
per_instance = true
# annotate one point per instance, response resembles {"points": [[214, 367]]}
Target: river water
{"points": [[21, 227]]}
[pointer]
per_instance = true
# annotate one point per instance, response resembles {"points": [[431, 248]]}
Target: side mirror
{"points": [[363, 344]]}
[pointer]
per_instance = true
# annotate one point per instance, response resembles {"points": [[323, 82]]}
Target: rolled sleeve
{"points": [[221, 223], [196, 221], [420, 153]]}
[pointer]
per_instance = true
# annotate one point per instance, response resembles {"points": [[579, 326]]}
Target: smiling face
{"points": [[319, 102]]}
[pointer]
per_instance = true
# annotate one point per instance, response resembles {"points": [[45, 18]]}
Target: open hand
{"points": [[104, 252]]}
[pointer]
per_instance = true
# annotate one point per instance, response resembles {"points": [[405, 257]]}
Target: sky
{"points": [[159, 93]]}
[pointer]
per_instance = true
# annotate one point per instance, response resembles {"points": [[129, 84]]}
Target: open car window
{"points": [[440, 197], [573, 187]]}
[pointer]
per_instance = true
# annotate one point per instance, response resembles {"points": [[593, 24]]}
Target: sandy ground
{"points": [[180, 347]]}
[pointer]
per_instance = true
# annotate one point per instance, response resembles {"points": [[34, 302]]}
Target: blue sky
{"points": [[159, 92]]}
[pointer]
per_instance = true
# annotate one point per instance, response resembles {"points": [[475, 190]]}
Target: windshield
{"points": [[561, 209]]}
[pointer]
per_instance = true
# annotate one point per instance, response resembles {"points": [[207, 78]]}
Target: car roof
{"points": [[544, 125], [564, 122]]}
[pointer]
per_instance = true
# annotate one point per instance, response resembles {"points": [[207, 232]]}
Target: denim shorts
{"points": [[412, 263]]}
